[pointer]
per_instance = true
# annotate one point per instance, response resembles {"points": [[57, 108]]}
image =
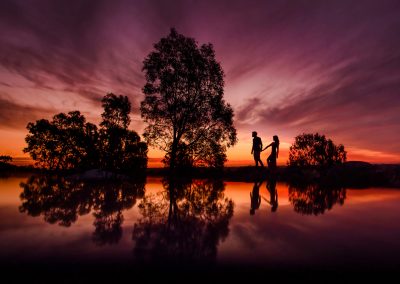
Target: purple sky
{"points": [[291, 66]]}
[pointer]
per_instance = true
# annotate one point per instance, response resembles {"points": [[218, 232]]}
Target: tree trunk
{"points": [[174, 149]]}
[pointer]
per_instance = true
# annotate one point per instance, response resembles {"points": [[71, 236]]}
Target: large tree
{"points": [[184, 107], [315, 150]]}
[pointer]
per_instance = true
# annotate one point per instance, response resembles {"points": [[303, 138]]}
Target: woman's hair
{"points": [[276, 139]]}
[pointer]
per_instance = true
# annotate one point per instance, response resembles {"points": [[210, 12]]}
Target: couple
{"points": [[257, 149]]}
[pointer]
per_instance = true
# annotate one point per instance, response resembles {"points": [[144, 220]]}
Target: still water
{"points": [[264, 225]]}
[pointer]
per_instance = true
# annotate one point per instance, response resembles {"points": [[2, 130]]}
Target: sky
{"points": [[291, 67]]}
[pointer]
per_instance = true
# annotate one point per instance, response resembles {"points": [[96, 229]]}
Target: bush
{"points": [[315, 150]]}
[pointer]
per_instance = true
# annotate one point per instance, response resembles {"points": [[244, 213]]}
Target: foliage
{"points": [[5, 159], [185, 222], [315, 198], [69, 142], [5, 162], [315, 150], [61, 201], [184, 107], [66, 142], [121, 148]]}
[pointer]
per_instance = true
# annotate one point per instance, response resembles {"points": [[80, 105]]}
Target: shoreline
{"points": [[353, 174]]}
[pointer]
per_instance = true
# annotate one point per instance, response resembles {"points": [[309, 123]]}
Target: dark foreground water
{"points": [[53, 229]]}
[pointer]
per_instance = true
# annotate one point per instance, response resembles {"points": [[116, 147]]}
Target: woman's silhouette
{"points": [[271, 160], [273, 200]]}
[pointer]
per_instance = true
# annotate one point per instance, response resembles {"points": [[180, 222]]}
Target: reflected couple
{"points": [[273, 194], [183, 223], [60, 200], [316, 198], [255, 197]]}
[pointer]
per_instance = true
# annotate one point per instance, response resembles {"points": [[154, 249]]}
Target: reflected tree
{"points": [[109, 202], [315, 199], [184, 222], [57, 199], [62, 201]]}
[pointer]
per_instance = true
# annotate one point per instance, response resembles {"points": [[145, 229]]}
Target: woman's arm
{"points": [[266, 147]]}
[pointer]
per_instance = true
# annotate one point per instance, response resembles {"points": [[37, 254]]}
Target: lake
{"points": [[57, 224]]}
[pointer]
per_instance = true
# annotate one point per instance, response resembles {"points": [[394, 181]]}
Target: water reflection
{"points": [[315, 198], [255, 198], [184, 222], [61, 201], [273, 193]]}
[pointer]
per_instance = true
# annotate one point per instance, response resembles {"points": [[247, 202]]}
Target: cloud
{"points": [[17, 116], [357, 103], [305, 66]]}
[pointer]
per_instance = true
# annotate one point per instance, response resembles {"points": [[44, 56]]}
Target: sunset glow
{"points": [[331, 67]]}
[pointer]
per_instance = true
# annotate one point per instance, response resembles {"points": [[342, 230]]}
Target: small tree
{"points": [[5, 159], [66, 142], [121, 148], [315, 150], [184, 107], [5, 162]]}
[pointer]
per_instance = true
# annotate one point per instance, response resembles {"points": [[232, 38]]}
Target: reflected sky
{"points": [[203, 219]]}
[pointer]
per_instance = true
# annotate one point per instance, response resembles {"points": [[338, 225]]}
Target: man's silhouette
{"points": [[255, 198], [256, 149]]}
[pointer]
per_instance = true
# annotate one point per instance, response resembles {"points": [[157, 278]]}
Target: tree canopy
{"points": [[5, 159], [315, 150], [69, 142], [184, 108], [61, 143], [121, 148]]}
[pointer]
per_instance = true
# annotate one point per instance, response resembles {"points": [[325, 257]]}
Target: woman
{"points": [[271, 160]]}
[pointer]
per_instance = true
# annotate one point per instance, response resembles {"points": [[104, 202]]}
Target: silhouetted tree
{"points": [[315, 150], [5, 162], [315, 198], [184, 107], [121, 148], [66, 142], [185, 222], [5, 159]]}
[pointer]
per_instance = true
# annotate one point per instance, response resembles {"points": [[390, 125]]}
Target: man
{"points": [[256, 149]]}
